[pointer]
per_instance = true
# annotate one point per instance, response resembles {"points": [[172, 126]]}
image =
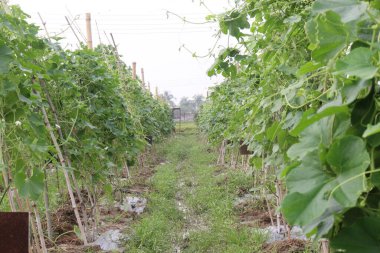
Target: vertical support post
{"points": [[134, 70], [156, 92], [180, 118], [142, 78], [324, 246], [88, 29]]}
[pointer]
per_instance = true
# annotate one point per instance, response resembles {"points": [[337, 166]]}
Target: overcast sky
{"points": [[144, 34]]}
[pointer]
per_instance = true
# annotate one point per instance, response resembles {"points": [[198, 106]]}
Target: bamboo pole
{"points": [[97, 29], [142, 78], [72, 29], [66, 174], [5, 172], [116, 52], [47, 208], [44, 25], [264, 190], [39, 228], [37, 247], [88, 30], [65, 152], [134, 70], [126, 169]]}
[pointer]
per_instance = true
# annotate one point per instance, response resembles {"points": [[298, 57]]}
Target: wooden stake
{"points": [[88, 30], [134, 70], [324, 246], [142, 78]]}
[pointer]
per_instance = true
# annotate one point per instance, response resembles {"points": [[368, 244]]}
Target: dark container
{"points": [[14, 232], [149, 139], [244, 149]]}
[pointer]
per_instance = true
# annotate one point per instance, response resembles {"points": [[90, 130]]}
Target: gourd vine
{"points": [[79, 111], [301, 89]]}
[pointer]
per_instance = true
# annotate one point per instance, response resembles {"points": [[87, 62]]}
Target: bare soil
{"points": [[63, 219], [288, 246]]}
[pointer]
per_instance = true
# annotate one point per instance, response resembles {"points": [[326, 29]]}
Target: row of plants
{"points": [[302, 90], [78, 112]]}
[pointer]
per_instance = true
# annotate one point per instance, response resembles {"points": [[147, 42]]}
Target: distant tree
{"points": [[198, 101], [191, 105], [168, 97]]}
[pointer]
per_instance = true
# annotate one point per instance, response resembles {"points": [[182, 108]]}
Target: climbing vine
{"points": [[79, 111], [302, 90]]}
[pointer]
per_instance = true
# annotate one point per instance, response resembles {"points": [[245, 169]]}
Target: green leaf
{"points": [[309, 141], [37, 146], [361, 237], [371, 130], [308, 120], [77, 232], [328, 36], [7, 86], [349, 10], [308, 67], [311, 183], [347, 166], [271, 132], [311, 168], [351, 91], [357, 63], [233, 23], [292, 19], [31, 187], [307, 187], [5, 58]]}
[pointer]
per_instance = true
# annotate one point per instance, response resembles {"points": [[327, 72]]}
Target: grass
{"points": [[158, 229], [209, 224]]}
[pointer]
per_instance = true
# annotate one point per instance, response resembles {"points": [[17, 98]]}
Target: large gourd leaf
{"points": [[31, 187], [328, 36], [315, 186], [361, 237], [5, 58], [307, 184], [348, 10], [348, 158], [357, 63]]}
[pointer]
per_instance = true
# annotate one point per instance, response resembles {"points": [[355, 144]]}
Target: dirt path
{"points": [[190, 206]]}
